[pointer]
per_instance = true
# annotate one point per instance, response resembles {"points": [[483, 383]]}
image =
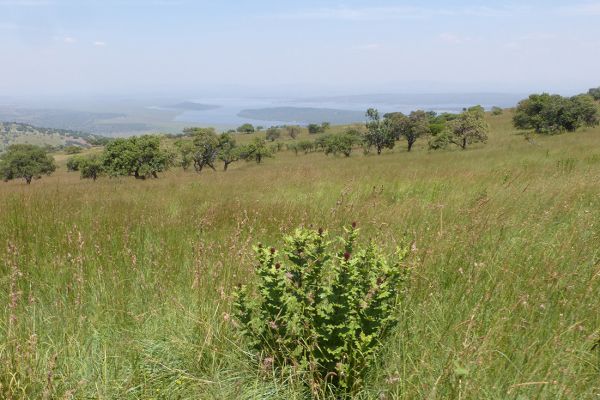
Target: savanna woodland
{"points": [[419, 256]]}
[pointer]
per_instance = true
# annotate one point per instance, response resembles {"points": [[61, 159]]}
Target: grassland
{"points": [[121, 288]]}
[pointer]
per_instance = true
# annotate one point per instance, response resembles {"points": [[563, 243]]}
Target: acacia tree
{"points": [[25, 161], [379, 134], [186, 151], [272, 134], [138, 156], [411, 127], [91, 167], [206, 148], [255, 151], [228, 152], [469, 127]]}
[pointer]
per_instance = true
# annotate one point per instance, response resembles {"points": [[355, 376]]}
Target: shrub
{"points": [[72, 150], [550, 114], [497, 110], [322, 308]]}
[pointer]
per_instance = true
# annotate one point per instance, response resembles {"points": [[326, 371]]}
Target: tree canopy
{"points": [[550, 114], [138, 156], [25, 161], [379, 134]]}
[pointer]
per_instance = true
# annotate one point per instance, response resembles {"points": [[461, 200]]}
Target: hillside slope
{"points": [[14, 132]]}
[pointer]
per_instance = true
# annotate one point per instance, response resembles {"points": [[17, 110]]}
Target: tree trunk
{"points": [[410, 145], [28, 179], [154, 174], [464, 143]]}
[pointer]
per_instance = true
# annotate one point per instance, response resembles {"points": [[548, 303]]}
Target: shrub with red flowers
{"points": [[322, 307]]}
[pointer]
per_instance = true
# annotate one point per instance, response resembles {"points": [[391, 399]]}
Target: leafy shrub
{"points": [[550, 114], [322, 308], [497, 110]]}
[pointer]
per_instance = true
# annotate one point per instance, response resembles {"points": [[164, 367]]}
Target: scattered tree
{"points": [[468, 128], [205, 143], [273, 134], [255, 151], [293, 131], [246, 128], [138, 156], [25, 161], [91, 167], [416, 125], [228, 152], [379, 134], [73, 163], [497, 111], [72, 150], [550, 114]]}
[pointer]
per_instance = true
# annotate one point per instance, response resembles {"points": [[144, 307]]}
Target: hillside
{"points": [[126, 293], [14, 133]]}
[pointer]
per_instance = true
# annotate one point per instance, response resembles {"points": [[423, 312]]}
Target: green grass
{"points": [[125, 285]]}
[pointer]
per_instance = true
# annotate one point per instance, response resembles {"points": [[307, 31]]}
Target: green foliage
{"points": [[379, 134], [91, 167], [255, 151], [246, 128], [72, 149], [138, 156], [228, 152], [272, 134], [416, 125], [468, 128], [497, 111], [439, 141], [316, 128], [186, 153], [73, 163], [550, 114], [205, 144], [322, 306], [341, 142], [595, 93], [25, 161]]}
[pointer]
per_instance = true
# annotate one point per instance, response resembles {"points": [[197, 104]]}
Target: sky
{"points": [[318, 47]]}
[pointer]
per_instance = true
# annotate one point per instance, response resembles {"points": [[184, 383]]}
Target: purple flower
{"points": [[346, 256]]}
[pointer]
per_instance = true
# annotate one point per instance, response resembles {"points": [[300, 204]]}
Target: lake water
{"points": [[229, 107]]}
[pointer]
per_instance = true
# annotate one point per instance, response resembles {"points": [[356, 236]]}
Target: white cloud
{"points": [[69, 40], [99, 43]]}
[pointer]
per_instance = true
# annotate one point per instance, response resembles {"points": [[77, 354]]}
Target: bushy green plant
{"points": [[322, 307]]}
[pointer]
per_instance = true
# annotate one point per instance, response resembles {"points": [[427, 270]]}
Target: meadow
{"points": [[121, 289]]}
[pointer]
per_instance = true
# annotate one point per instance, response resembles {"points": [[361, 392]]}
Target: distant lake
{"points": [[281, 111]]}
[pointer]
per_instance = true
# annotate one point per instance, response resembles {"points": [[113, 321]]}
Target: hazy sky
{"points": [[78, 46]]}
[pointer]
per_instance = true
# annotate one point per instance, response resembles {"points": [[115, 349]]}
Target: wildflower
{"points": [[354, 225], [346, 256], [272, 250]]}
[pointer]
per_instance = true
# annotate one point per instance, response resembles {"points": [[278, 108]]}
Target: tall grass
{"points": [[122, 289]]}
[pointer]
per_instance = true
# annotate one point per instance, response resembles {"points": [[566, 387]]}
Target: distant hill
{"points": [[15, 132], [304, 115]]}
